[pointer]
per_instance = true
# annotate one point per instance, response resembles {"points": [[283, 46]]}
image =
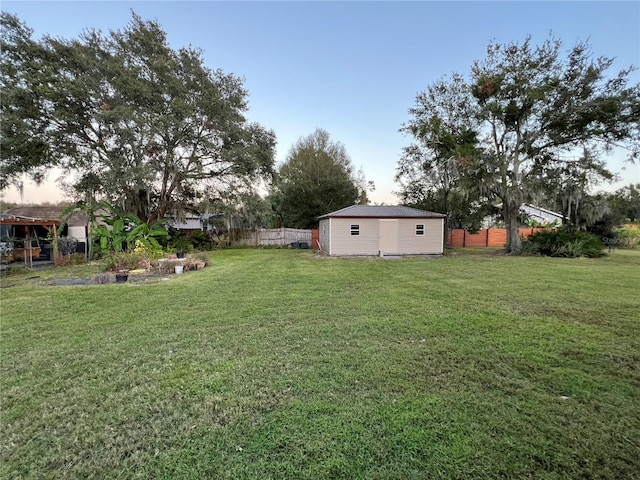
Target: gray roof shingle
{"points": [[382, 211]]}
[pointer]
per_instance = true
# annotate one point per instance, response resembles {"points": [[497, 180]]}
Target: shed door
{"points": [[388, 236]]}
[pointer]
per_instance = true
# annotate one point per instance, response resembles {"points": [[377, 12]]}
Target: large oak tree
{"points": [[534, 111], [23, 145], [147, 127]]}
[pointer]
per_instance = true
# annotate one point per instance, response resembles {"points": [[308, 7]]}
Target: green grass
{"points": [[278, 364]]}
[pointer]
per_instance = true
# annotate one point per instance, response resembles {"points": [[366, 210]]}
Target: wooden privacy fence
{"points": [[489, 237], [277, 236]]}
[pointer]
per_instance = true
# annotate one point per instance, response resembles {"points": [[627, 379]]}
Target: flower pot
{"points": [[180, 254], [179, 269], [121, 277]]}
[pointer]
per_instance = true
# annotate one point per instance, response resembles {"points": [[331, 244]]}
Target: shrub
{"points": [[563, 243], [67, 260], [116, 261], [530, 248], [626, 236], [179, 241], [202, 241], [67, 245], [148, 250]]}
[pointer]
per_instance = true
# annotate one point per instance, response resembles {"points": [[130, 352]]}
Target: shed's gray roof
{"points": [[382, 211]]}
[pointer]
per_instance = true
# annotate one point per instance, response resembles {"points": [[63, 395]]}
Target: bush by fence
{"points": [[489, 237], [553, 243], [625, 236]]}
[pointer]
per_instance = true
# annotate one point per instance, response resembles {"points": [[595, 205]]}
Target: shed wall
{"points": [[336, 239], [427, 244], [343, 243]]}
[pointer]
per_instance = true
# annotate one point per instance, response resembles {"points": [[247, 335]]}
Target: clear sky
{"points": [[352, 68]]}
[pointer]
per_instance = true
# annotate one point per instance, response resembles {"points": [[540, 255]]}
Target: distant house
{"points": [[191, 222], [381, 230], [541, 215], [531, 212]]}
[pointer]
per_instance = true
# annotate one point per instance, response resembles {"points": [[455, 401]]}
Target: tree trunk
{"points": [[510, 213], [445, 229]]}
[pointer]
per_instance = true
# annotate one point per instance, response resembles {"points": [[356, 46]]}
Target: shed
{"points": [[381, 230]]}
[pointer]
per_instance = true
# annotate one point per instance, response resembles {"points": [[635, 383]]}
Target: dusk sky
{"points": [[351, 68]]}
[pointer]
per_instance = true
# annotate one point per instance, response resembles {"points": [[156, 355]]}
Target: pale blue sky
{"points": [[352, 68]]}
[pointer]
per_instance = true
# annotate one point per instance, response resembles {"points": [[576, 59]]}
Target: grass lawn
{"points": [[276, 364]]}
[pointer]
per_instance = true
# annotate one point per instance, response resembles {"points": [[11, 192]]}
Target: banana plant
{"points": [[146, 234], [113, 234], [119, 232]]}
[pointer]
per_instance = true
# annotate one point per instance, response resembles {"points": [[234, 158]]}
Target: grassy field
{"points": [[277, 364]]}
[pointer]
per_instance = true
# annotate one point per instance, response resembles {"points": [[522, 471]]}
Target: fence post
{"points": [[486, 243], [464, 237]]}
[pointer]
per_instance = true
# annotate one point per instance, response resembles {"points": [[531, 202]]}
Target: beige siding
{"points": [[429, 243], [336, 238], [343, 243]]}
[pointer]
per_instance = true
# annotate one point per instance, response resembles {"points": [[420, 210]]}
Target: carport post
{"points": [[55, 243], [28, 258]]}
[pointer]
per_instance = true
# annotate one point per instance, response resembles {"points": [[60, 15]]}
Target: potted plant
{"points": [[182, 246], [122, 276]]}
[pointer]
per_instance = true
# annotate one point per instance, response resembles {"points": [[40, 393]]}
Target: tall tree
{"points": [[431, 171], [625, 203], [565, 188], [531, 109], [135, 122], [316, 178], [22, 140]]}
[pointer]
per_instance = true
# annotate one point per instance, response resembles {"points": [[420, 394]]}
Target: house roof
{"points": [[43, 214], [550, 212], [382, 211]]}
